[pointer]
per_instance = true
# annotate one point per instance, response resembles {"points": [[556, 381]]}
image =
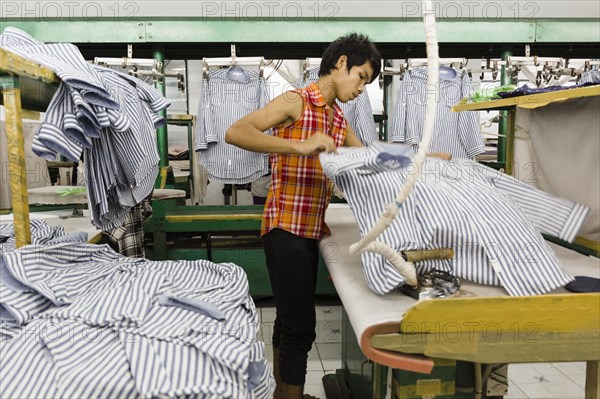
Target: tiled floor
{"points": [[527, 381]]}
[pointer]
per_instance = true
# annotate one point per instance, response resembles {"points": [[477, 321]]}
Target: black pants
{"points": [[292, 262]]}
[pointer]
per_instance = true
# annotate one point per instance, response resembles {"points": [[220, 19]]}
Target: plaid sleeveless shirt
{"points": [[300, 192]]}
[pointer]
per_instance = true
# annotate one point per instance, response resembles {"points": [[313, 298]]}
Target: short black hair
{"points": [[357, 47]]}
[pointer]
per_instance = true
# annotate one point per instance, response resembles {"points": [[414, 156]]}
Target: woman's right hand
{"points": [[316, 144]]}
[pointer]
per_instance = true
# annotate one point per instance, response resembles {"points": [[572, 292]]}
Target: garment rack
{"points": [[231, 61], [132, 65]]}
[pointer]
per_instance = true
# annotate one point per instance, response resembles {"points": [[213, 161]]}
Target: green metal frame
{"points": [[238, 228], [161, 133], [243, 30], [502, 123]]}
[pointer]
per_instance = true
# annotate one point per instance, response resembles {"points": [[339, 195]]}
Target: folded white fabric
{"points": [[488, 218]]}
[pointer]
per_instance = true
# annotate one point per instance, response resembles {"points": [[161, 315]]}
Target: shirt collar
{"points": [[316, 98]]}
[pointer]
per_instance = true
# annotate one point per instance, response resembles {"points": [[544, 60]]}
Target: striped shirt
{"points": [[492, 222], [51, 138], [300, 192], [113, 336], [18, 303], [103, 116], [63, 58], [456, 133], [224, 101], [358, 112]]}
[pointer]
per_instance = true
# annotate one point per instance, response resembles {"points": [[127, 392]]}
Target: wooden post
{"points": [[11, 93], [592, 387]]}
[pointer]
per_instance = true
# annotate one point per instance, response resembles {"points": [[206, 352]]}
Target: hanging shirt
{"points": [[456, 133], [300, 192], [358, 112], [225, 101], [122, 164], [490, 220]]}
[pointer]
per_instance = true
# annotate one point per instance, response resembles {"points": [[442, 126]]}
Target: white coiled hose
{"points": [[368, 242]]}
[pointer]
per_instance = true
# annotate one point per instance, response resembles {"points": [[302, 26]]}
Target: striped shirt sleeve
{"points": [[550, 214], [50, 135], [590, 77], [203, 108]]}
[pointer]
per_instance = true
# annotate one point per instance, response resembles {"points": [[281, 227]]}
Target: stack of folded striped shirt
{"points": [[492, 221], [102, 116], [80, 320]]}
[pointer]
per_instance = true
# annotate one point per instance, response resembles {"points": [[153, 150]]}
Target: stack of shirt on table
{"points": [[80, 320], [227, 96], [492, 221], [102, 116]]}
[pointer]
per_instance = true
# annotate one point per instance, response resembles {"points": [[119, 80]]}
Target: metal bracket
{"points": [[497, 381], [233, 54]]}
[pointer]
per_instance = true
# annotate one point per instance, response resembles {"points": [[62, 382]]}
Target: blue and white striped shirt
{"points": [[456, 133], [51, 138], [108, 334], [104, 116], [358, 112], [63, 58], [225, 101], [488, 218]]}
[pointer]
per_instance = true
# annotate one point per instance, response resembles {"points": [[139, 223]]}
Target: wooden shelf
{"points": [[530, 101]]}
